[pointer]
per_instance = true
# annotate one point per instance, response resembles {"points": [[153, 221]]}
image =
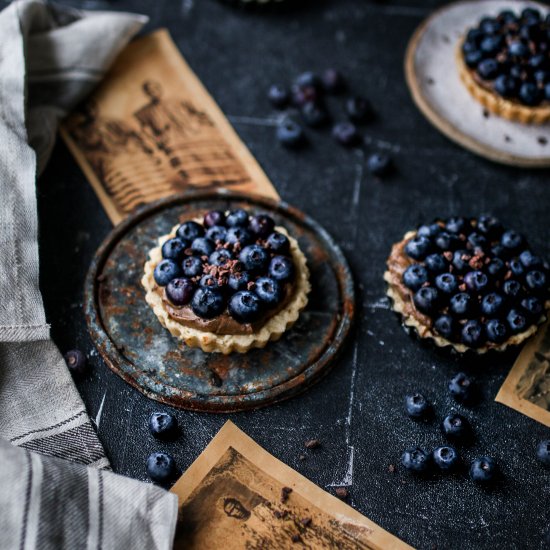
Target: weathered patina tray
{"points": [[135, 345]]}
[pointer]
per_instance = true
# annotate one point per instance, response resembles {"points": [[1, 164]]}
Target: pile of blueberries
{"points": [[234, 262], [456, 428], [477, 281], [308, 96], [512, 52]]}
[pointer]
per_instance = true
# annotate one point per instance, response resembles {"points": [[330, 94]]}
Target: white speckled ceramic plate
{"points": [[438, 92]]}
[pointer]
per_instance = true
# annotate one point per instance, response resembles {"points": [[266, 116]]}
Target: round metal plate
{"points": [[136, 346]]}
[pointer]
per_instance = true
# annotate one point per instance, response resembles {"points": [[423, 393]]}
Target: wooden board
{"points": [[152, 130], [433, 80]]}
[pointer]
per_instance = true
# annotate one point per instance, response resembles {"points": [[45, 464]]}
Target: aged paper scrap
{"points": [[151, 130], [527, 386], [238, 496]]}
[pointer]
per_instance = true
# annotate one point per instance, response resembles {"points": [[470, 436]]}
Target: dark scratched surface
{"points": [[356, 411]]}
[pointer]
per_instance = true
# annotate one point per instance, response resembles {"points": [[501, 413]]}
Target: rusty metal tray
{"points": [[134, 345]]}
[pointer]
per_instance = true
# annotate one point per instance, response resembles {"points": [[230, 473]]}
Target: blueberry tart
{"points": [[468, 283], [504, 63], [228, 282]]}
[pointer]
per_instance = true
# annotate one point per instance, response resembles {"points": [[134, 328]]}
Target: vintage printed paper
{"points": [[151, 130], [527, 386], [237, 496]]}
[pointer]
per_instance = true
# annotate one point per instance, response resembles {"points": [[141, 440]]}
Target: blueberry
{"points": [[488, 69], [345, 133], [76, 361], [216, 233], [238, 234], [518, 49], [281, 269], [473, 334], [429, 231], [517, 71], [254, 258], [278, 243], [165, 271], [269, 291], [543, 453], [207, 303], [416, 460], [477, 241], [417, 406], [189, 231], [303, 94], [203, 246], [314, 114], [499, 251], [290, 133], [180, 291], [536, 281], [490, 46], [436, 263], [496, 331], [489, 25], [475, 36], [512, 289], [161, 468], [492, 304], [496, 267], [415, 276], [516, 267], [462, 305], [426, 299], [547, 92], [379, 164], [418, 247], [173, 249], [507, 16], [262, 225], [530, 14], [457, 225], [537, 62], [483, 470], [446, 283], [359, 109], [529, 260], [220, 257], [245, 306], [237, 218], [192, 266], [507, 86], [476, 281], [214, 217], [163, 425], [541, 77], [307, 80], [461, 387], [210, 281], [447, 241], [530, 94], [461, 259], [239, 280], [278, 96], [489, 226], [446, 458], [332, 81], [445, 325], [473, 58], [471, 46], [516, 320], [533, 306], [455, 426]]}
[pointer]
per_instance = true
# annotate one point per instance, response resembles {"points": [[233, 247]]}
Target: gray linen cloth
{"points": [[50, 59]]}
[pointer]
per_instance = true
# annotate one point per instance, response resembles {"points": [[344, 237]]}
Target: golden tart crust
{"points": [[271, 330], [403, 304], [505, 108]]}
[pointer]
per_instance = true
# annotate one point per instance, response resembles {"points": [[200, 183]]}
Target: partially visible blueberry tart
{"points": [[505, 63], [468, 283], [227, 282]]}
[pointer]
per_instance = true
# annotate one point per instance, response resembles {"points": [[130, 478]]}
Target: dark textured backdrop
{"points": [[357, 410]]}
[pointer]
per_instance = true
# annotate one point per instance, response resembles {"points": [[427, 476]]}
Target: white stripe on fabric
{"points": [[33, 516]]}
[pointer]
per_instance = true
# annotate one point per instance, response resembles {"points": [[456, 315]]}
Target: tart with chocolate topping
{"points": [[227, 282], [469, 284], [505, 64]]}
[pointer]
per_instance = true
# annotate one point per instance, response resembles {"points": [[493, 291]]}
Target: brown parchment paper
{"points": [[151, 130], [527, 386], [230, 498]]}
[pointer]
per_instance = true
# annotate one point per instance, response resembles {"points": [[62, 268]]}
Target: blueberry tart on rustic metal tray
{"points": [[468, 283], [504, 63], [228, 282]]}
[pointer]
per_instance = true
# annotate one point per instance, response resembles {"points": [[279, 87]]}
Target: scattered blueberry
{"points": [[417, 406], [455, 426], [345, 133], [180, 291], [359, 109], [161, 468], [461, 387], [379, 164], [314, 115], [163, 425], [76, 361], [483, 470], [278, 96], [446, 458], [332, 81], [207, 303], [290, 133], [165, 271], [543, 453], [307, 80], [245, 307], [416, 460]]}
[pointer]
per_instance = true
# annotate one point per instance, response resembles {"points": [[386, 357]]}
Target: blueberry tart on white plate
{"points": [[468, 283], [504, 62], [227, 282]]}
